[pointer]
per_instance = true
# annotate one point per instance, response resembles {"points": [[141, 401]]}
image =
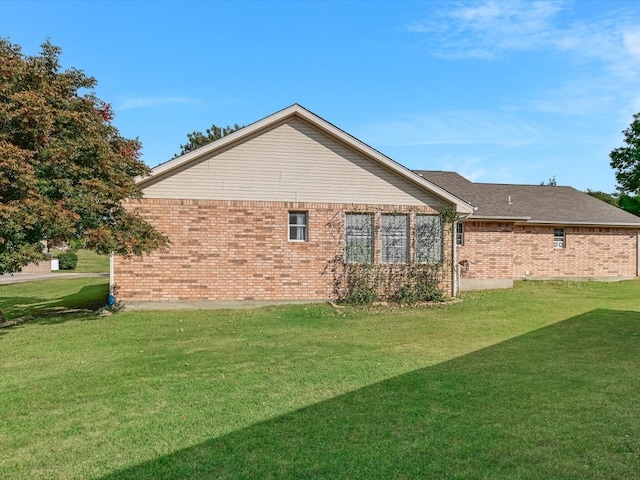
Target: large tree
{"points": [[626, 160], [64, 167], [630, 203], [199, 139]]}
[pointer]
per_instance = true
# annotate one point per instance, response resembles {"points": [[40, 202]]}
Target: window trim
{"points": [[298, 226]]}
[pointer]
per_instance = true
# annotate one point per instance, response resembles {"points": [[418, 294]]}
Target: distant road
{"points": [[28, 277]]}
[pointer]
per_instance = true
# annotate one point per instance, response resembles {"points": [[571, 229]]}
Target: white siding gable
{"points": [[292, 161]]}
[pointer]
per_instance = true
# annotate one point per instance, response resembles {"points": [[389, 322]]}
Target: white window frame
{"points": [[559, 238], [429, 241], [459, 234], [296, 231], [394, 238], [359, 238]]}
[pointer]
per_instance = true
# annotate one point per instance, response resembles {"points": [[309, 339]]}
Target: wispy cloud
{"points": [[474, 168], [632, 41], [580, 96], [454, 128], [601, 53], [487, 29], [491, 28], [151, 102]]}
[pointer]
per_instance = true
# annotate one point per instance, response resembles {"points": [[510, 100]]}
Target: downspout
{"points": [[638, 254], [455, 271], [456, 267], [111, 299]]}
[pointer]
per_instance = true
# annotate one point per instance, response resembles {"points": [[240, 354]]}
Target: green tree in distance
{"points": [[626, 160], [64, 168], [199, 139], [552, 182], [610, 198], [628, 203]]}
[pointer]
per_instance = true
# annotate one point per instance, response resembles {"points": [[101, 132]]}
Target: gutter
{"points": [[501, 218], [585, 224], [528, 220]]}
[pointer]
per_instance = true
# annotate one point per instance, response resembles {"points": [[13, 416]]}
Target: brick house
{"points": [[261, 213], [539, 232]]}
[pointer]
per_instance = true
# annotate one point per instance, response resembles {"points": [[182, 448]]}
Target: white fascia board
{"points": [[584, 224], [501, 218], [528, 221]]}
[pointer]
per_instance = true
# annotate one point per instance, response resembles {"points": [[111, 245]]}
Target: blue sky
{"points": [[500, 91]]}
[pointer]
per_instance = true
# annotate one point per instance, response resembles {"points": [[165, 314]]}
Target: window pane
{"points": [[297, 218], [558, 238], [394, 238], [298, 226], [358, 238], [428, 239], [459, 233]]}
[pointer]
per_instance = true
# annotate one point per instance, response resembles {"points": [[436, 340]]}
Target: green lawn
{"points": [[48, 297], [538, 382], [90, 262]]}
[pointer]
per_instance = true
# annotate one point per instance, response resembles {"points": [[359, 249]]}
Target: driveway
{"points": [[28, 277]]}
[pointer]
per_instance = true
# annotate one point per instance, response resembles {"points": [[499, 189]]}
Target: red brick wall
{"points": [[488, 247], [505, 250], [235, 250]]}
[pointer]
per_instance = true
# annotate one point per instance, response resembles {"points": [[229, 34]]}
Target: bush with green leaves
{"points": [[68, 260]]}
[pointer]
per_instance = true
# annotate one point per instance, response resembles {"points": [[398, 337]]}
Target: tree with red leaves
{"points": [[64, 168]]}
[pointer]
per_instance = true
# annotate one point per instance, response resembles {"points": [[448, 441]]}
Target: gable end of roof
{"points": [[166, 169]]}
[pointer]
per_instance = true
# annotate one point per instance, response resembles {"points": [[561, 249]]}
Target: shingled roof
{"points": [[531, 203]]}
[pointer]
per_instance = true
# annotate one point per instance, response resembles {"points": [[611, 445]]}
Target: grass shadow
{"points": [[52, 297], [561, 402]]}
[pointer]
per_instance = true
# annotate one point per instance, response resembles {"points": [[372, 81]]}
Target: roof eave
{"points": [[529, 221], [501, 218], [585, 224]]}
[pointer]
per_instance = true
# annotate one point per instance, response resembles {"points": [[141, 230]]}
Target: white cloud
{"points": [[582, 96], [487, 168], [632, 41], [454, 128], [600, 48], [151, 102], [489, 28]]}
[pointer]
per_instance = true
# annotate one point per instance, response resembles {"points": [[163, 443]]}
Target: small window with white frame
{"points": [[459, 234], [298, 226], [559, 239]]}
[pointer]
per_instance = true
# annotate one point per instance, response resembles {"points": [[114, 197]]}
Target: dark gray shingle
{"points": [[533, 203]]}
